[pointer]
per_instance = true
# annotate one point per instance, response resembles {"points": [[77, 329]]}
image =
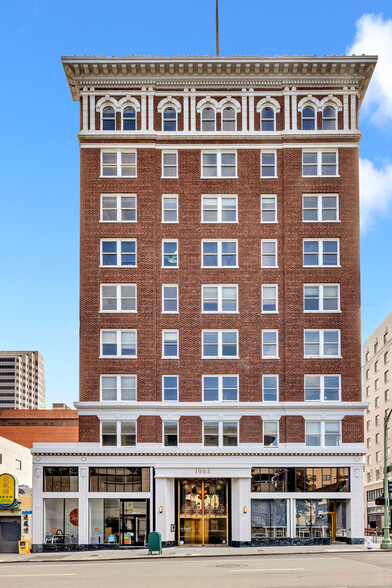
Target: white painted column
{"points": [[143, 110], [83, 506], [294, 111], [92, 110], [240, 521], [164, 497], [353, 111], [244, 110], [186, 111], [355, 506], [84, 110], [251, 110], [38, 506], [345, 112], [151, 109], [193, 110], [286, 109]]}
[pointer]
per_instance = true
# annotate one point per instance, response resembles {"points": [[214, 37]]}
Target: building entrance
{"points": [[203, 512]]}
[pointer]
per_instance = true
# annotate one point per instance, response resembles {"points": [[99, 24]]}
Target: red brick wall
{"points": [[292, 429], [352, 429], [89, 429], [251, 429], [149, 429], [190, 429], [50, 426]]}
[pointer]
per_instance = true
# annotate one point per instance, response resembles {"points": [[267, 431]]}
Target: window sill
{"points": [[269, 177], [219, 312], [321, 221], [170, 267], [320, 176], [169, 312], [118, 177], [172, 357], [269, 222], [323, 266], [236, 222], [270, 312], [117, 357], [323, 357], [221, 357], [264, 267], [118, 312], [219, 267], [322, 311], [118, 221], [170, 222], [270, 357], [169, 177], [117, 266], [219, 177]]}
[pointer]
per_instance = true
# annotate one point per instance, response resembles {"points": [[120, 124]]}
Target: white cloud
{"points": [[375, 188], [374, 37]]}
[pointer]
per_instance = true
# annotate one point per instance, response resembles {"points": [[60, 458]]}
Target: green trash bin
{"points": [[154, 542]]}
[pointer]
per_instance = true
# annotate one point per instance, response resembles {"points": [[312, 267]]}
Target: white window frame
{"points": [[118, 386], [277, 344], [262, 119], [264, 387], [220, 387], [320, 207], [170, 267], [322, 387], [118, 432], [219, 198], [277, 432], [275, 166], [220, 346], [223, 120], [118, 299], [276, 298], [118, 343], [163, 344], [328, 118], [169, 152], [119, 164], [276, 253], [321, 343], [220, 432], [275, 198], [163, 299], [118, 207], [219, 164], [219, 298], [322, 433], [319, 162], [128, 118], [103, 118], [313, 118], [173, 197], [172, 422], [118, 252], [321, 298], [219, 253], [177, 386], [208, 107], [320, 252], [171, 107]]}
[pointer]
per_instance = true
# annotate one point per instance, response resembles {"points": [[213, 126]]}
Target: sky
{"points": [[39, 155]]}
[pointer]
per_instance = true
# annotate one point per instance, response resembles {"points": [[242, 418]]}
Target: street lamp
{"points": [[386, 542]]}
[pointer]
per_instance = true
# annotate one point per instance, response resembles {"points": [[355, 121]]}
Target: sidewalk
{"points": [[178, 552]]}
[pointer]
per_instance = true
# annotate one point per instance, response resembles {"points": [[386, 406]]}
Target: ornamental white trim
{"points": [[229, 101], [128, 101], [308, 100], [331, 101], [169, 101], [207, 101], [268, 101], [106, 101]]}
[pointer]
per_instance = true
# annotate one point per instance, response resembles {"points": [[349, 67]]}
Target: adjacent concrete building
{"points": [[22, 380], [377, 358]]}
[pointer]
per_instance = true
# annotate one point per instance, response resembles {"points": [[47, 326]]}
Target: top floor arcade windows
{"points": [[229, 119], [108, 119], [329, 119], [129, 119], [308, 118], [208, 119], [267, 120], [169, 119]]}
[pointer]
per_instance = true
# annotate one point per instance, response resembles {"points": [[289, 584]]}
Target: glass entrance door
{"points": [[203, 512], [133, 522]]}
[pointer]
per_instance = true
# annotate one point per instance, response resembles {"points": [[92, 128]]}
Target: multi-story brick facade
{"points": [[22, 380], [219, 299]]}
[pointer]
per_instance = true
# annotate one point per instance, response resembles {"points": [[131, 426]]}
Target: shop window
{"points": [[61, 480], [119, 522], [314, 518], [120, 479], [61, 520], [268, 518], [300, 479]]}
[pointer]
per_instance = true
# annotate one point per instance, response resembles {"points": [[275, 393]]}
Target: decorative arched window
{"points": [[329, 119], [170, 119], [229, 119], [308, 119], [267, 119], [129, 119], [208, 119], [108, 118]]}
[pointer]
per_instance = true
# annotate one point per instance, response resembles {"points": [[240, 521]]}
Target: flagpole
{"points": [[217, 27]]}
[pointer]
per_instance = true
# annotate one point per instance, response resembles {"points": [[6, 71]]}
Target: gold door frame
{"points": [[203, 517]]}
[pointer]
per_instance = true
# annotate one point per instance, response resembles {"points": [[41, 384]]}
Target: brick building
{"points": [[22, 380], [220, 359]]}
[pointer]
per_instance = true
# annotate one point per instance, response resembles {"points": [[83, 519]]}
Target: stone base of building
{"points": [[53, 548]]}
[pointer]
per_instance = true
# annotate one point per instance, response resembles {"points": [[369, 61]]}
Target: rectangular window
{"points": [[269, 253], [322, 343], [170, 388], [218, 164], [170, 344], [268, 164], [118, 343], [217, 208], [118, 164], [322, 387], [118, 297], [322, 434], [230, 434], [269, 208], [319, 163], [118, 208], [269, 298], [61, 479], [118, 387], [386, 376], [118, 252], [170, 253], [386, 357], [169, 164], [300, 479], [118, 434], [211, 434], [270, 388], [320, 208], [18, 464], [128, 434], [377, 420], [219, 344], [321, 297], [269, 339], [170, 434], [269, 518], [170, 208], [376, 366], [270, 433], [377, 384], [128, 479], [220, 388], [217, 434], [321, 252], [170, 298], [219, 298], [219, 253]]}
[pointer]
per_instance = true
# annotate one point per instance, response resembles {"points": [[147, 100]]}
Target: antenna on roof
{"points": [[217, 27]]}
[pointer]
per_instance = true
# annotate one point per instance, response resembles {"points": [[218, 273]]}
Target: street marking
{"points": [[269, 570]]}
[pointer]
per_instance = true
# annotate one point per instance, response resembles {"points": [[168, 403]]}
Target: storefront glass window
{"points": [[313, 518], [119, 479], [61, 520], [269, 518], [300, 480], [60, 479], [117, 521]]}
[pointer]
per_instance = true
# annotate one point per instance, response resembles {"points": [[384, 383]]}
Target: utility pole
{"points": [[386, 542], [217, 27]]}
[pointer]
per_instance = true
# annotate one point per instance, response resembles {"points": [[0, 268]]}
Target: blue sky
{"points": [[39, 163]]}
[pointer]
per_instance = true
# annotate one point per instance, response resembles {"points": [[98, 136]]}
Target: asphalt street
{"points": [[357, 570]]}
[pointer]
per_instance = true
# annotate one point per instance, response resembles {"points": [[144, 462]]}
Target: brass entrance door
{"points": [[203, 512]]}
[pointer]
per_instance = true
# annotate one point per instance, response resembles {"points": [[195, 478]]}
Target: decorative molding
{"points": [[268, 101], [169, 101]]}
